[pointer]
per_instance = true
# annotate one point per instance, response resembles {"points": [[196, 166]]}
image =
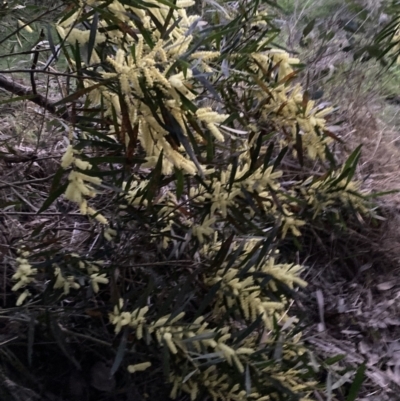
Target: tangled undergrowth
{"points": [[194, 165]]}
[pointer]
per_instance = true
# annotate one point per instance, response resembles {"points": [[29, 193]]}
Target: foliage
{"points": [[196, 159]]}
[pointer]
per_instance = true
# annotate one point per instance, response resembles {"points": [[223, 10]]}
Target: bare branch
{"points": [[40, 100]]}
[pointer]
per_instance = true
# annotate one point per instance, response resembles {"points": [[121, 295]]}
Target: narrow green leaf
{"points": [[239, 337], [168, 3], [120, 353], [38, 230], [247, 381], [61, 342], [51, 42], [153, 184], [31, 337], [334, 359], [189, 106], [330, 156], [179, 183], [173, 127], [268, 155], [165, 360], [378, 194], [299, 146], [79, 93], [210, 148], [255, 152], [349, 167], [357, 383], [172, 26], [200, 337], [222, 253], [309, 27], [207, 84], [207, 299], [78, 62], [156, 22], [280, 157], [17, 99], [52, 197], [235, 163]]}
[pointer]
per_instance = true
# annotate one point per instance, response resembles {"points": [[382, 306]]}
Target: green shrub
{"points": [[196, 159]]}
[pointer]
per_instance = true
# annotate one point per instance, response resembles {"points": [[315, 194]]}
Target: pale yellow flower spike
{"points": [[140, 367]]}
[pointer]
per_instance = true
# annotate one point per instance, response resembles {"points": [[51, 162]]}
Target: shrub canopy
{"points": [[198, 159]]}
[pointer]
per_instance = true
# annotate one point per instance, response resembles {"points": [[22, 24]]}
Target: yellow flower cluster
{"points": [[322, 194], [93, 268], [24, 273], [185, 341], [133, 319], [78, 186], [66, 283], [247, 293], [220, 386], [286, 107], [137, 65], [134, 193]]}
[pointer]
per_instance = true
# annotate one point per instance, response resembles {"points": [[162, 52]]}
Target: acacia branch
{"points": [[40, 100]]}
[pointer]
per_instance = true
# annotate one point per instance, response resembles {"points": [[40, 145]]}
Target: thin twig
{"points": [[42, 214], [24, 199], [72, 333], [8, 341], [38, 180], [60, 74]]}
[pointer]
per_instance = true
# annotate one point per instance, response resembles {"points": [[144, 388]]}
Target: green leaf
{"points": [[375, 51], [156, 22], [334, 359], [239, 337], [222, 253], [378, 194], [165, 360], [168, 3], [268, 155], [207, 299], [17, 99], [299, 146], [78, 61], [179, 183], [330, 156], [31, 337], [349, 167], [38, 230], [207, 84], [280, 157], [80, 92], [247, 381], [51, 42], [52, 197], [357, 383], [153, 184], [173, 127], [200, 337], [172, 26], [62, 343], [309, 27], [235, 163], [120, 353]]}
